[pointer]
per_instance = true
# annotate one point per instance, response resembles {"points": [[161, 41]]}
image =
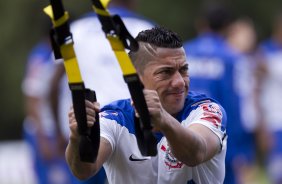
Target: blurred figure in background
{"points": [[241, 35], [98, 65], [270, 96], [39, 126], [214, 71], [242, 38]]}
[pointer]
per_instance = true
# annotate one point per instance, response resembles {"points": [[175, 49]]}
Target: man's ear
{"points": [[141, 78]]}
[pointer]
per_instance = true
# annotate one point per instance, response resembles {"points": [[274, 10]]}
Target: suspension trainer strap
{"points": [[62, 43], [119, 39]]}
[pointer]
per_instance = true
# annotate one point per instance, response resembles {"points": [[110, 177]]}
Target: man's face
{"points": [[167, 73]]}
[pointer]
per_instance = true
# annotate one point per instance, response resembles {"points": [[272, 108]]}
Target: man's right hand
{"points": [[91, 110]]}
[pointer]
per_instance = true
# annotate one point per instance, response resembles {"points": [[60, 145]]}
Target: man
{"points": [[193, 145]]}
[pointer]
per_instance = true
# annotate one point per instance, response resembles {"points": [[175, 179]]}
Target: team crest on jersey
{"points": [[211, 107], [212, 113], [170, 161]]}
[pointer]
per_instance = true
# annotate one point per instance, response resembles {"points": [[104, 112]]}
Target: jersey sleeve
{"points": [[109, 127], [211, 115]]}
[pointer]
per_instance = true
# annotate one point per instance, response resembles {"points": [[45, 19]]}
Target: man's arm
{"points": [[83, 170], [191, 145]]}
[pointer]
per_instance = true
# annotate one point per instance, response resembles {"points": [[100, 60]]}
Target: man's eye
{"points": [[183, 70], [166, 72]]}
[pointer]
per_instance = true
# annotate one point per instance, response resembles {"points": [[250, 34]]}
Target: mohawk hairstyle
{"points": [[160, 37], [156, 37]]}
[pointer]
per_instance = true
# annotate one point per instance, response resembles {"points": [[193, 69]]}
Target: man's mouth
{"points": [[176, 93]]}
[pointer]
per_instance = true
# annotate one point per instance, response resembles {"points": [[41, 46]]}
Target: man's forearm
{"points": [[81, 170], [186, 145]]}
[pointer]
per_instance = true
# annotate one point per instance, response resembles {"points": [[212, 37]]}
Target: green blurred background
{"points": [[22, 26]]}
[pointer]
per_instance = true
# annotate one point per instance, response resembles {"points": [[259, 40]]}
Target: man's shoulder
{"points": [[117, 109], [196, 97], [118, 105], [121, 112], [193, 101], [204, 104]]}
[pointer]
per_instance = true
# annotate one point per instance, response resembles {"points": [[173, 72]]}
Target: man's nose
{"points": [[177, 80]]}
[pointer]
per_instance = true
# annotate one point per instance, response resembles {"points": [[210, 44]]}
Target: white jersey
{"points": [[127, 165], [98, 65]]}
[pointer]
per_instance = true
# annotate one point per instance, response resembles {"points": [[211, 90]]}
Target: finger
{"points": [[92, 108], [72, 120], [90, 118], [90, 112], [71, 112], [151, 96], [97, 106], [90, 124], [73, 131], [89, 104], [71, 117], [93, 105], [149, 92], [131, 102]]}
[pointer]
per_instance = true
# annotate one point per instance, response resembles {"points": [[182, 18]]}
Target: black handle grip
{"points": [[90, 142], [146, 140], [89, 137]]}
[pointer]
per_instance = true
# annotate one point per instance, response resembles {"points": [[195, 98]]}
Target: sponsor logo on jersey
{"points": [[134, 159]]}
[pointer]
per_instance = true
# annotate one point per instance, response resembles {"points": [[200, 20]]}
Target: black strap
{"points": [[114, 27], [61, 36]]}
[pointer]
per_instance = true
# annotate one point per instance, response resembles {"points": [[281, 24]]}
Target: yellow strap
{"points": [[122, 57], [116, 44], [70, 63], [67, 51], [101, 11], [49, 11], [105, 3]]}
